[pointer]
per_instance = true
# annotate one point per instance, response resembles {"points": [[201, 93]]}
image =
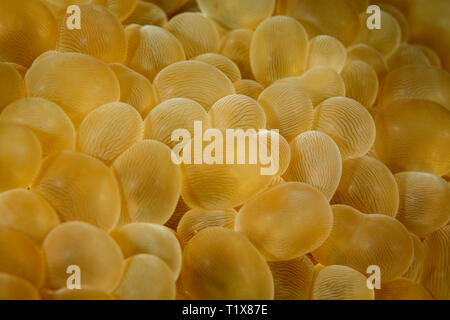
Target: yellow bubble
{"points": [[80, 187], [386, 39], [249, 88], [195, 220], [315, 160], [148, 238], [414, 135], [28, 212], [22, 42], [237, 112], [369, 186], [222, 63], [286, 221], [150, 182], [359, 240], [335, 18], [195, 32], [436, 272], [151, 48], [235, 14], [47, 120], [348, 123], [424, 202], [216, 264], [15, 288], [20, 156], [339, 282], [194, 80], [326, 51], [182, 113], [90, 38], [236, 46], [293, 279], [110, 130], [288, 108], [147, 13], [20, 256], [146, 277], [278, 49], [12, 86], [361, 82], [76, 82], [87, 247]]}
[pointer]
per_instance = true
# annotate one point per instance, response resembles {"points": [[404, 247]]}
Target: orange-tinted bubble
{"points": [[195, 32], [288, 108], [22, 42], [20, 156], [349, 124], [315, 160], [217, 261], [359, 240], [194, 80], [335, 18], [369, 55], [148, 238], [169, 6], [235, 14], [12, 86], [249, 88], [80, 187], [414, 135], [278, 49], [46, 119], [402, 289], [293, 279], [182, 113], [135, 89], [326, 51], [16, 288], [414, 272], [435, 271], [320, 83], [110, 130], [20, 256], [78, 83], [361, 82], [407, 54], [237, 112], [222, 63], [147, 13], [424, 201], [82, 245], [90, 38], [28, 212], [369, 186], [150, 182], [277, 227], [417, 81], [196, 220], [339, 282], [146, 277], [386, 39], [151, 48], [236, 46]]}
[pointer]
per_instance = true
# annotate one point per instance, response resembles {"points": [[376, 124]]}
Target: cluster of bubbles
{"points": [[87, 178]]}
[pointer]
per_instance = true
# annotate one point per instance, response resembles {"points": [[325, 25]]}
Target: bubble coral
{"points": [[277, 227], [217, 261], [80, 187]]}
